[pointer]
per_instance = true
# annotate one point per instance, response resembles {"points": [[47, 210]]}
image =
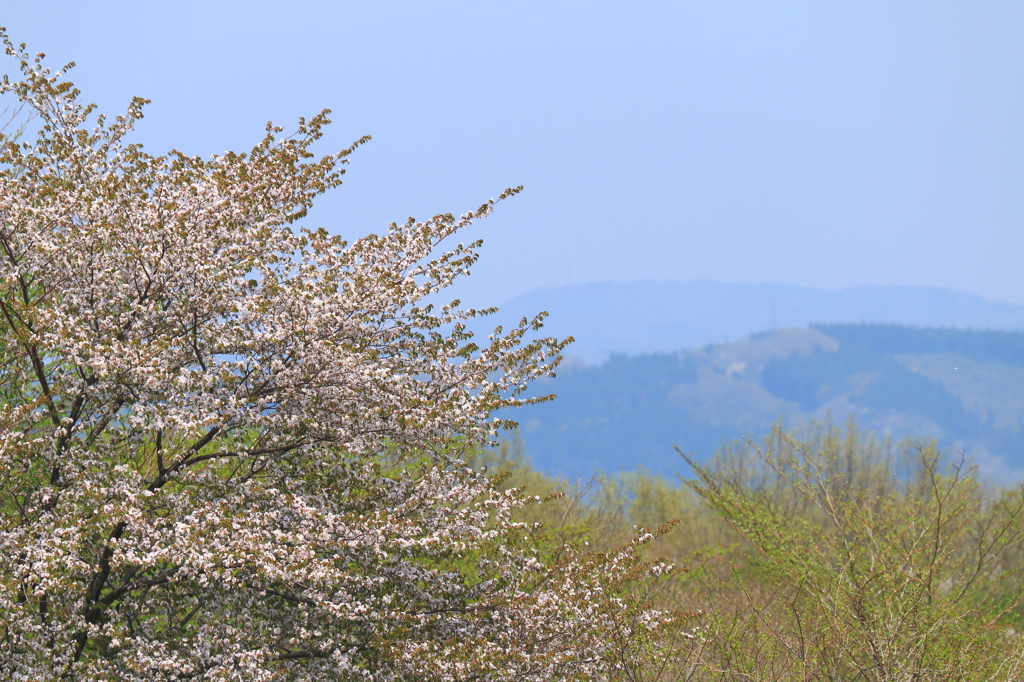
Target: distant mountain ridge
{"points": [[658, 316], [963, 388]]}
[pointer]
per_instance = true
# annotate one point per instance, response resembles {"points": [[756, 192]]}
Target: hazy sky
{"points": [[822, 144]]}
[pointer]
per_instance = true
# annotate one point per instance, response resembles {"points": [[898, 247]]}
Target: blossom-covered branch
{"points": [[234, 448]]}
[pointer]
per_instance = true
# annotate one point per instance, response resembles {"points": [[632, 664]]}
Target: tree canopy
{"points": [[235, 448]]}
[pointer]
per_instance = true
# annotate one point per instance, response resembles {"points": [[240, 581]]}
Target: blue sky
{"points": [[821, 144]]}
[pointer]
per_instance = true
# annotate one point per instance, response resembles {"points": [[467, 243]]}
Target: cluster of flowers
{"points": [[231, 448]]}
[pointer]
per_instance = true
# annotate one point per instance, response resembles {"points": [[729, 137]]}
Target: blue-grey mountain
{"points": [[649, 317]]}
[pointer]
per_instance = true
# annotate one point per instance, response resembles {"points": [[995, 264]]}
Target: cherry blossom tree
{"points": [[235, 448]]}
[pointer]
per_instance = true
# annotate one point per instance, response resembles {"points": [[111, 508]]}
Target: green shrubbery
{"points": [[824, 555]]}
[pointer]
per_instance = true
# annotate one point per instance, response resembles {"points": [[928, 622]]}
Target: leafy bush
{"points": [[824, 555]]}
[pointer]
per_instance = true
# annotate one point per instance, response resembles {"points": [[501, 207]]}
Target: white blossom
{"points": [[232, 448]]}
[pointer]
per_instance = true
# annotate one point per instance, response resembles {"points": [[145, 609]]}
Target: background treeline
{"points": [[965, 389], [828, 554]]}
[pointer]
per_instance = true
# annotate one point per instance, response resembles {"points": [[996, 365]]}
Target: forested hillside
{"points": [[963, 388]]}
